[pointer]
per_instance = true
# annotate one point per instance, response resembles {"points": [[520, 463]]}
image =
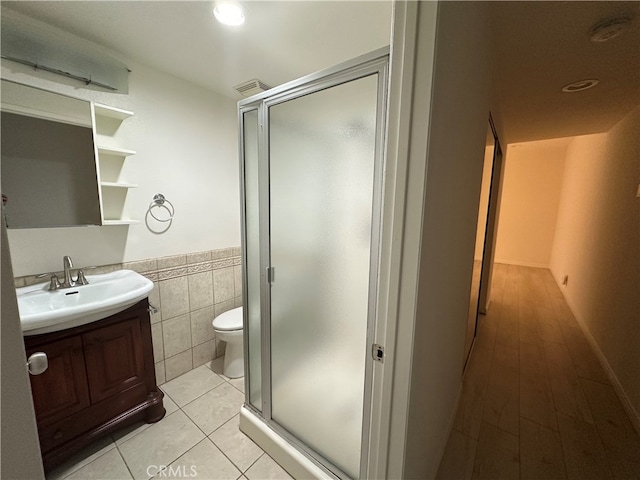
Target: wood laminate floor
{"points": [[536, 403]]}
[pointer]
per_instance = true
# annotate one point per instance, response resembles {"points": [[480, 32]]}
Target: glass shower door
{"points": [[322, 149]]}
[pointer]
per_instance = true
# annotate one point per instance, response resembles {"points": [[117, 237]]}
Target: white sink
{"points": [[42, 311]]}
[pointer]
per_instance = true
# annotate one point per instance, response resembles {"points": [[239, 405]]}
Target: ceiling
{"points": [[542, 46], [279, 41], [538, 48]]}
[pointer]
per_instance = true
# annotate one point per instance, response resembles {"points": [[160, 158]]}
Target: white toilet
{"points": [[228, 328]]}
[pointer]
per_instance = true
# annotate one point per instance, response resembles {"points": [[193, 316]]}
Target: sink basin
{"points": [[42, 311]]}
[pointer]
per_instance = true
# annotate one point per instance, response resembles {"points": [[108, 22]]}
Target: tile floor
{"points": [[198, 438], [536, 403]]}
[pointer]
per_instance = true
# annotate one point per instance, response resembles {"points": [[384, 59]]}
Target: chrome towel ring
{"points": [[160, 201]]}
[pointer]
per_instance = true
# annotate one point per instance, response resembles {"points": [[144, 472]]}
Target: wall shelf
{"points": [[120, 222], [118, 185], [119, 152], [113, 192], [112, 112], [46, 115]]}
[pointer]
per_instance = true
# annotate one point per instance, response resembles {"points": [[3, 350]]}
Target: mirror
{"points": [[47, 163]]}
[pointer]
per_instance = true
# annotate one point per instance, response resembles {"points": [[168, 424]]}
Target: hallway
{"points": [[536, 403]]}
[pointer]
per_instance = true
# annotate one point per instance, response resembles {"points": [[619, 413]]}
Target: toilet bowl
{"points": [[228, 328]]}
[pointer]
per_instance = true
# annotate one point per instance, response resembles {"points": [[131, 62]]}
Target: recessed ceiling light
{"points": [[608, 28], [229, 14], [580, 85]]}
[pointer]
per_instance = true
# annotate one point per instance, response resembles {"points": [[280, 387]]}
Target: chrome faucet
{"points": [[68, 265], [68, 280]]}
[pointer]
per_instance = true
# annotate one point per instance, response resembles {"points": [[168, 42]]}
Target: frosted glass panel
{"points": [[321, 190], [252, 226]]}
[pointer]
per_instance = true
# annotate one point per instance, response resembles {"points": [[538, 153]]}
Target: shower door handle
{"points": [[271, 275]]}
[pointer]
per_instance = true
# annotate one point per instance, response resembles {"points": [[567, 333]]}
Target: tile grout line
{"points": [[548, 374], [177, 406], [574, 368], [191, 420], [80, 468], [214, 443], [538, 423], [491, 370], [123, 460], [207, 436], [242, 472], [232, 258], [519, 370], [256, 460], [481, 413], [550, 310], [595, 423]]}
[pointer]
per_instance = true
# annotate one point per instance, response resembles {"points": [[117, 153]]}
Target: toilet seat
{"points": [[229, 321]]}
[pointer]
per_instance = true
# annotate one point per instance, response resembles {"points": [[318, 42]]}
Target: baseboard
{"points": [[633, 414], [521, 264]]}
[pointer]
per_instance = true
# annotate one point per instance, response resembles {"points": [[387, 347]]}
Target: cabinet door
{"points": [[113, 355], [62, 389]]}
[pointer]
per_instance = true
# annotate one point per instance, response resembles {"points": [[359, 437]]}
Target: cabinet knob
{"points": [[37, 363]]}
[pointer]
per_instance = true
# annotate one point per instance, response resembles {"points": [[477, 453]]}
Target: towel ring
{"points": [[159, 200]]}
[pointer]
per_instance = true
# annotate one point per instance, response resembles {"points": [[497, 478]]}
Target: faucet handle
{"points": [[81, 280], [54, 284]]}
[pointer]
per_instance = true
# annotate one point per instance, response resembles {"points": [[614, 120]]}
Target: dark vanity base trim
{"points": [[150, 411], [155, 410]]}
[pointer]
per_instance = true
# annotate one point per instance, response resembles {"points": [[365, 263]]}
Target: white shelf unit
{"points": [[120, 222], [118, 152], [118, 185], [110, 160], [111, 112]]}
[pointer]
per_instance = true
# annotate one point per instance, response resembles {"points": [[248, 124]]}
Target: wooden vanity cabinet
{"points": [[62, 389], [101, 377]]}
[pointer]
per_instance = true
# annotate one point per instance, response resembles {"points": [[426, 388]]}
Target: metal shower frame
{"points": [[374, 63]]}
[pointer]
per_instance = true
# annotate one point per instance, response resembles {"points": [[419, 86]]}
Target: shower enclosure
{"points": [[311, 169]]}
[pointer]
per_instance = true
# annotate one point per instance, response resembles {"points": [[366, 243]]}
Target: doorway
{"points": [[486, 229]]}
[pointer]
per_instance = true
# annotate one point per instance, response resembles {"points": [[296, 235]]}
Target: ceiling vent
{"points": [[580, 85], [252, 87], [607, 29]]}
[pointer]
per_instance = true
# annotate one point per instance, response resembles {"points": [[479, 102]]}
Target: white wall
{"points": [[20, 448], [186, 143], [530, 197], [456, 132], [597, 245]]}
